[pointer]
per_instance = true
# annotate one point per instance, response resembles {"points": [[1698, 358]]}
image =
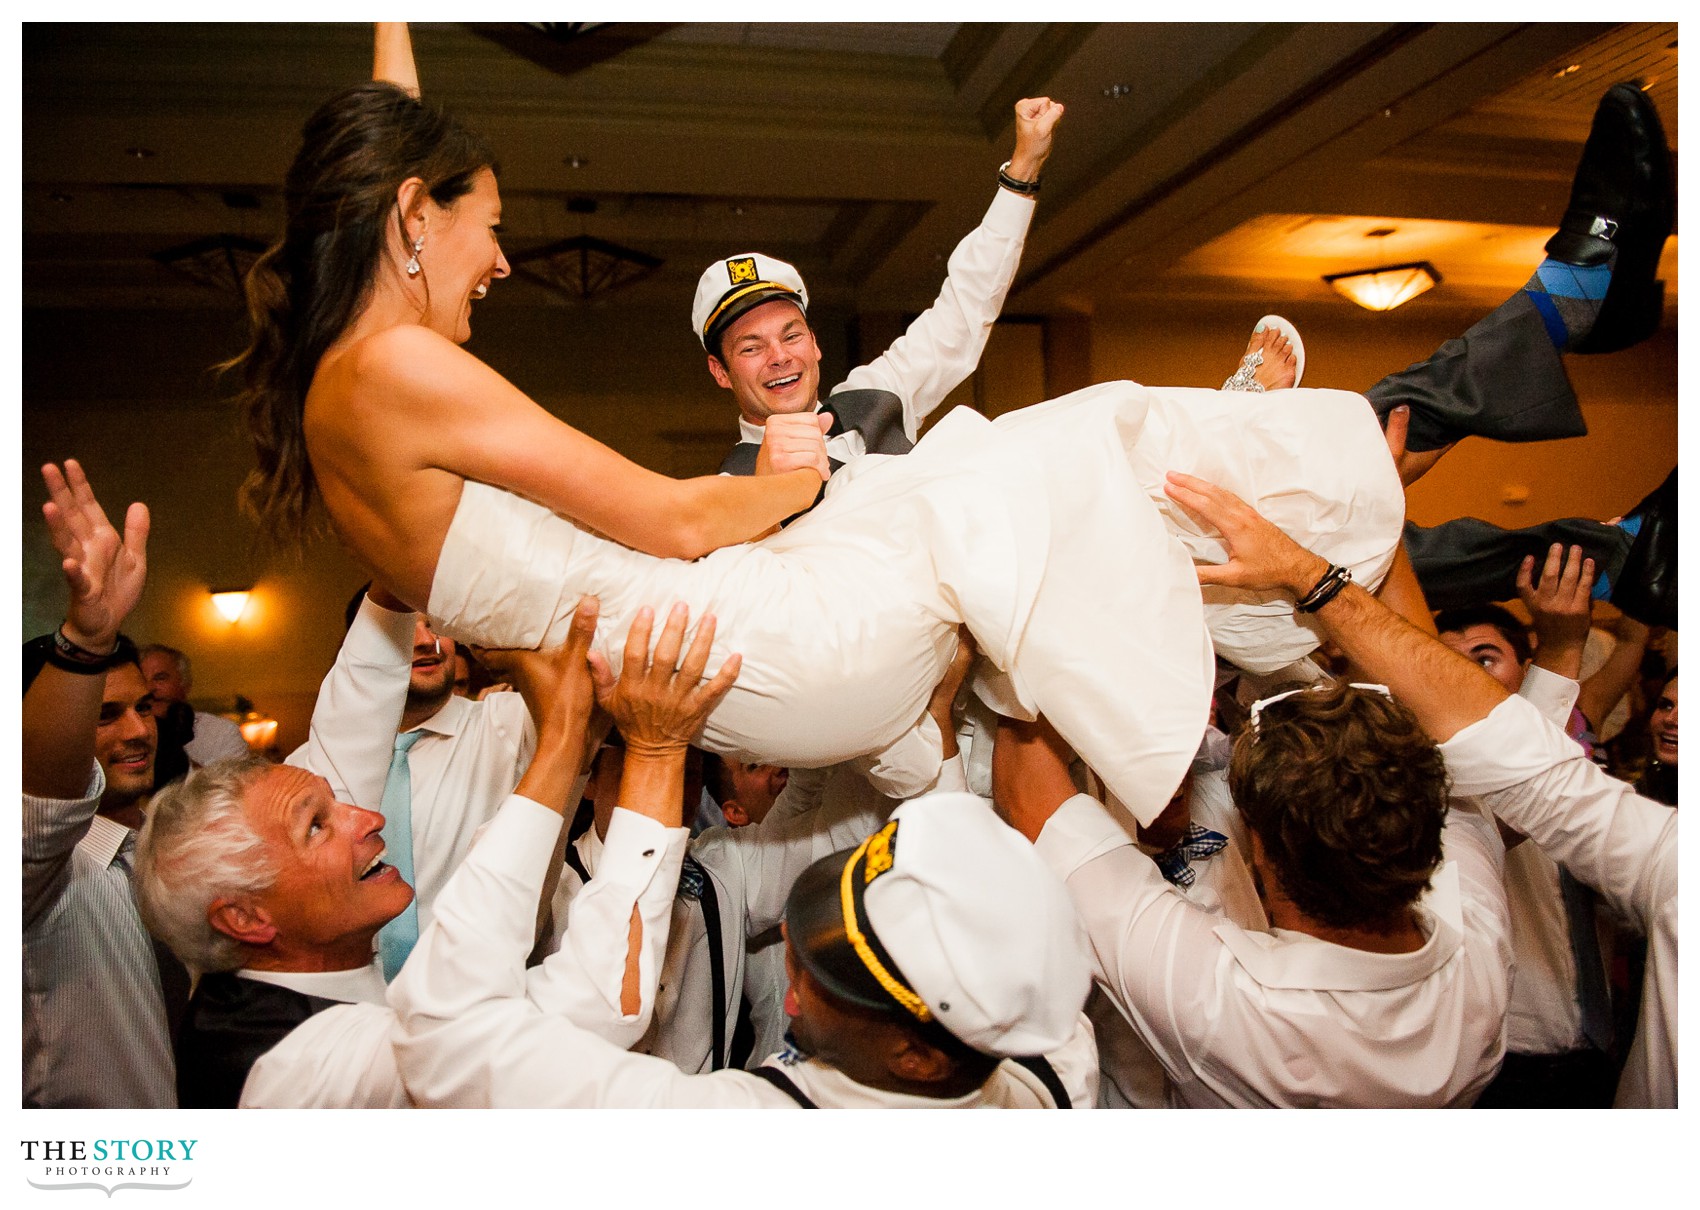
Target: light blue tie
{"points": [[398, 937]]}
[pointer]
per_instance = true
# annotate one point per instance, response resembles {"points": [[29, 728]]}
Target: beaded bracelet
{"points": [[1327, 588]]}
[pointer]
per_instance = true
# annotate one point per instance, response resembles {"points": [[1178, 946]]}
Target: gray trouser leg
{"points": [[1466, 562], [1502, 379]]}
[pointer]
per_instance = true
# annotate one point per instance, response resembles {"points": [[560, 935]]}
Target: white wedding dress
{"points": [[1046, 531]]}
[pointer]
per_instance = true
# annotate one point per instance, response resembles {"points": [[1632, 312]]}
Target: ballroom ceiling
{"points": [[1197, 161]]}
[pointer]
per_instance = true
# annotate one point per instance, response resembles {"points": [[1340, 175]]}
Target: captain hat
{"points": [[728, 288], [947, 915]]}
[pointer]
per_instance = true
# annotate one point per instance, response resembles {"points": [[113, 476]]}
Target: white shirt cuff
{"points": [[1009, 214], [1552, 693], [379, 636]]}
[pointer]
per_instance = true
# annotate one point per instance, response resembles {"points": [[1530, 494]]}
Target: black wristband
{"points": [[78, 654], [81, 667], [1326, 589], [1024, 188]]}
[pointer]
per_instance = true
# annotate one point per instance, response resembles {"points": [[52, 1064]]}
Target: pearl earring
{"points": [[412, 265]]}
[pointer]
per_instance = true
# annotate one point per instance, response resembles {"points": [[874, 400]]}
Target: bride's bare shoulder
{"points": [[399, 364]]}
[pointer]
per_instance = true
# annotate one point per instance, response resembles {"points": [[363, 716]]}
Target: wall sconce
{"points": [[259, 731], [231, 602], [1385, 288]]}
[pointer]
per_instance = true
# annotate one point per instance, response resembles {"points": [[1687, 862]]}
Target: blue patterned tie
{"points": [[397, 938], [1197, 843]]}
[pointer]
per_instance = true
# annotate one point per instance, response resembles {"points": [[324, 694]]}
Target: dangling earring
{"points": [[412, 265]]}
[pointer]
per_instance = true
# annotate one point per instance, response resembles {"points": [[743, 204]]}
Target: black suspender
{"points": [[1041, 1067], [1038, 1065], [783, 1082], [709, 902]]}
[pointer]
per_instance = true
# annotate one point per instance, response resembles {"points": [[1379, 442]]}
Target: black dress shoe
{"points": [[1623, 197], [1646, 585]]}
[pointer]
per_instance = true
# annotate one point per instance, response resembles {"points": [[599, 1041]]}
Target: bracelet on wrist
{"points": [[1326, 589], [72, 650], [1014, 185], [70, 656]]}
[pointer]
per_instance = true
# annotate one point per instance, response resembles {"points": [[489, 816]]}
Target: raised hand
{"points": [[1562, 605], [658, 701], [1260, 556], [558, 686], [795, 441], [1036, 119], [105, 572]]}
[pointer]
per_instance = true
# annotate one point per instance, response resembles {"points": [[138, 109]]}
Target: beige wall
{"points": [[1628, 398], [130, 396]]}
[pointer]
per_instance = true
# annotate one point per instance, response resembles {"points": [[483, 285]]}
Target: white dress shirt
{"points": [[1535, 778], [1133, 1077], [943, 345], [1544, 1017], [216, 738], [470, 1037], [752, 869], [1243, 1018], [343, 1057], [94, 1027], [467, 761]]}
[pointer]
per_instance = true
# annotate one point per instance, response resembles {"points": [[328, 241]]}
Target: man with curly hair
{"points": [[1382, 979]]}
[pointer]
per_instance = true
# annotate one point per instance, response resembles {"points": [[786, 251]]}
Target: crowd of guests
{"points": [[240, 953], [1431, 864]]}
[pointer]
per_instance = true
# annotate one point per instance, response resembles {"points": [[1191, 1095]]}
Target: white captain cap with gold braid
{"points": [[728, 288]]}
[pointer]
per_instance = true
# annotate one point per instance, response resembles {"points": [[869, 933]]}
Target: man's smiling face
{"points": [[769, 361]]}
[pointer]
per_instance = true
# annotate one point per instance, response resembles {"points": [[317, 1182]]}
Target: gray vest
{"points": [[877, 415]]}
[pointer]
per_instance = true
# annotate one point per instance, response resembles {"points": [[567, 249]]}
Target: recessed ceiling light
{"points": [[139, 153], [576, 161]]}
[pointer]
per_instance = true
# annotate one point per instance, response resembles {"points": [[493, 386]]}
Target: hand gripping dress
{"points": [[1046, 531]]}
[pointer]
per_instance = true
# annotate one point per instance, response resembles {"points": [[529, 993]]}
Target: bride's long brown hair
{"points": [[356, 151]]}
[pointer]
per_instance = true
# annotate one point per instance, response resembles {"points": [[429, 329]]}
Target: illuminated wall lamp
{"points": [[231, 603], [1385, 288], [258, 730]]}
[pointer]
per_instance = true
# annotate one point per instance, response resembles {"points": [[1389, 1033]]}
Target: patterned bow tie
{"points": [[1196, 844]]}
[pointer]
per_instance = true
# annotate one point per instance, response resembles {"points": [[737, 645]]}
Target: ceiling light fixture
{"points": [[1385, 288], [584, 267], [219, 262], [1569, 69]]}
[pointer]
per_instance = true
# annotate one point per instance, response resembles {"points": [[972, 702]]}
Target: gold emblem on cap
{"points": [[741, 270], [879, 853]]}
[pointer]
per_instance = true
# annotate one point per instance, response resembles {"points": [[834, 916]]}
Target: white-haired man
{"points": [[256, 875]]}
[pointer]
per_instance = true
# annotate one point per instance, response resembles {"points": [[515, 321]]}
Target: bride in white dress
{"points": [[1047, 532]]}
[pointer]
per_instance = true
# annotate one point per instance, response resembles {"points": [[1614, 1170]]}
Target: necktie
{"points": [[1197, 843], [397, 938], [1592, 996]]}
